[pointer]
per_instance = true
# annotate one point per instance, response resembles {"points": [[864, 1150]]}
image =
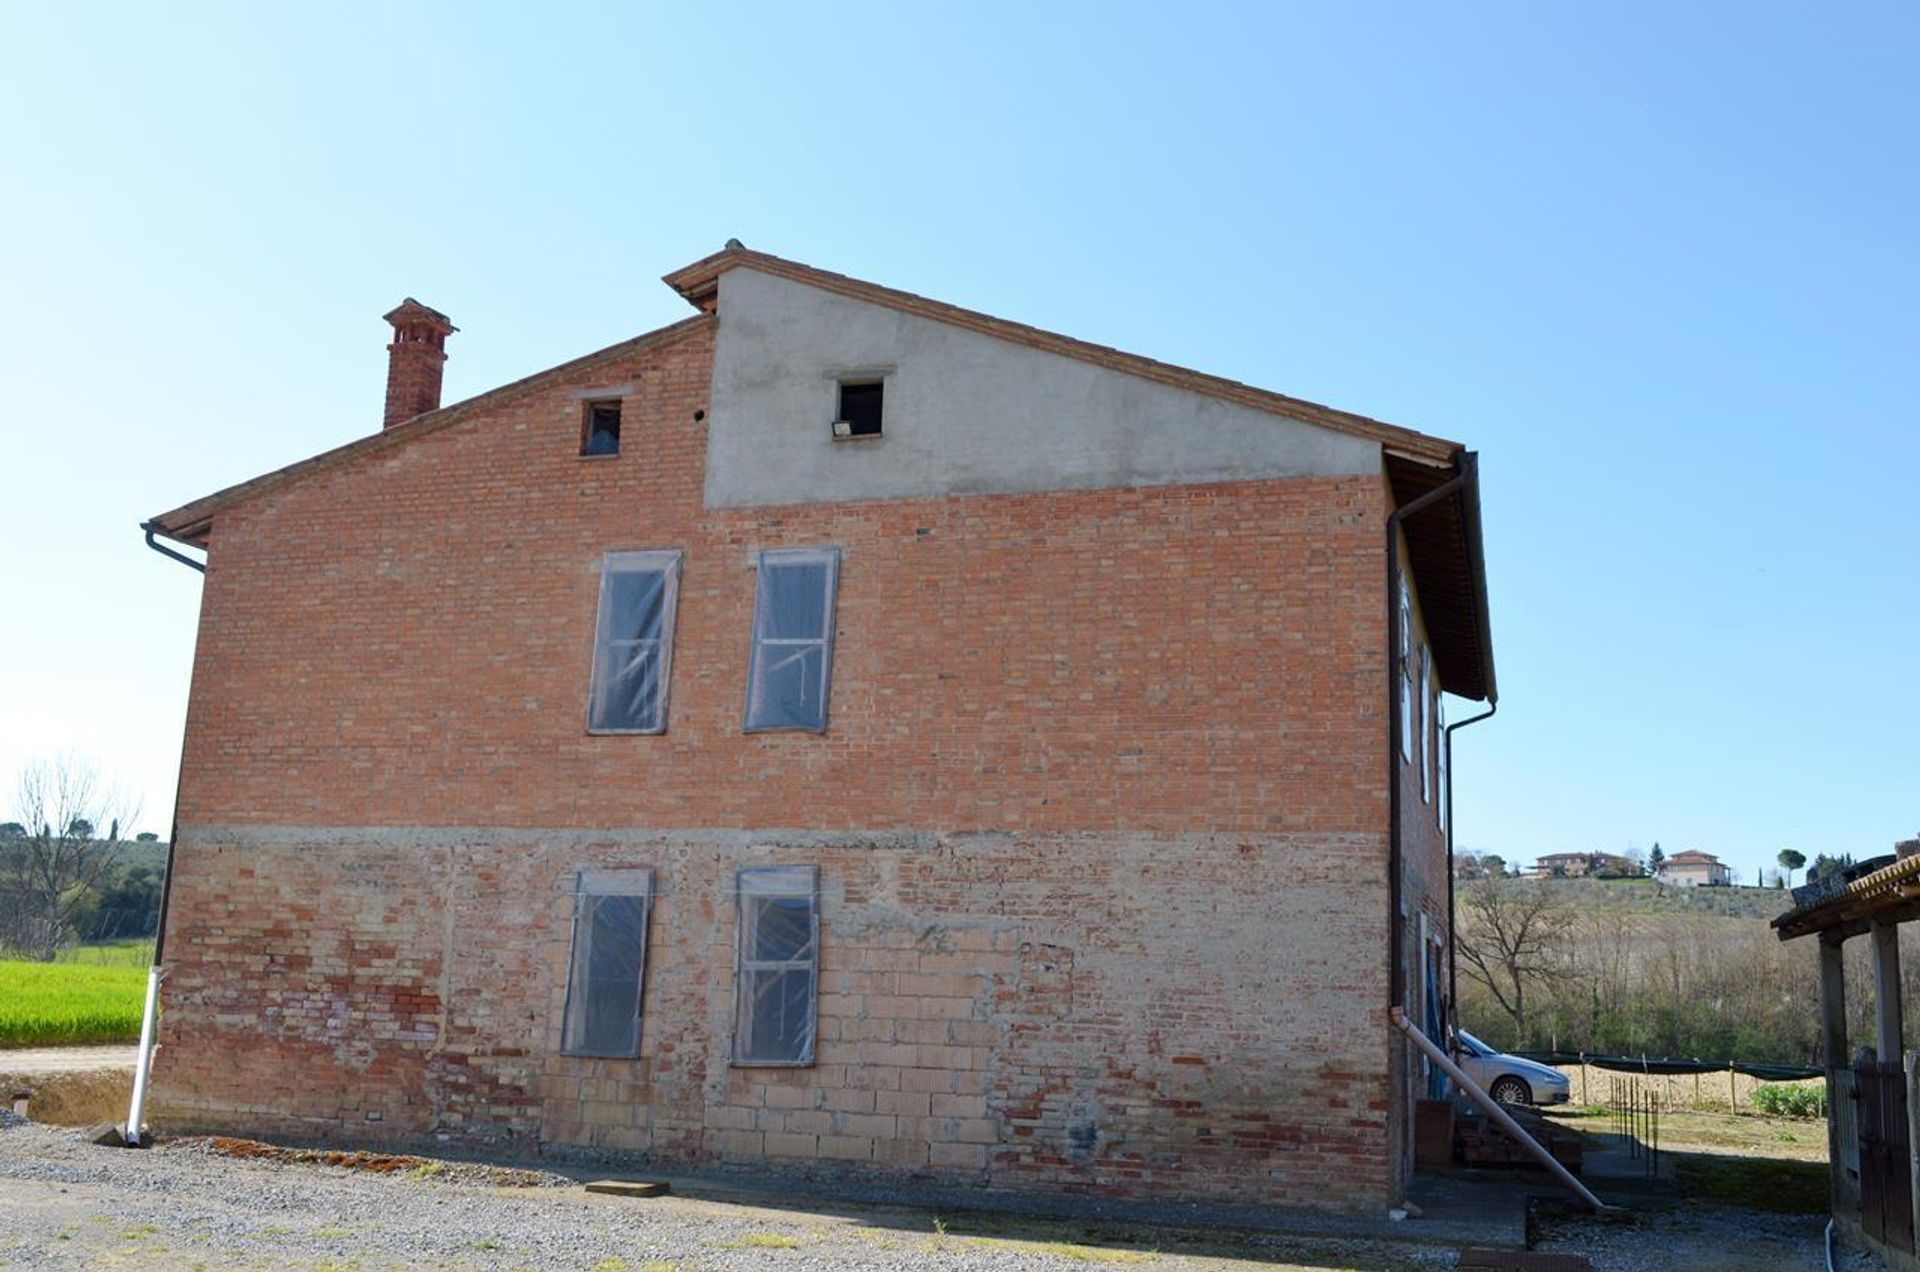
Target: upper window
{"points": [[1441, 743], [792, 661], [633, 646], [1406, 672], [1427, 747], [600, 428], [608, 963], [779, 966], [860, 408]]}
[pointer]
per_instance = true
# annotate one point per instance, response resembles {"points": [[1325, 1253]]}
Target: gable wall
{"points": [[421, 621], [965, 412], [1099, 820]]}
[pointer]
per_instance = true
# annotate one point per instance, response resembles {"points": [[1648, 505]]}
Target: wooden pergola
{"points": [[1869, 1113]]}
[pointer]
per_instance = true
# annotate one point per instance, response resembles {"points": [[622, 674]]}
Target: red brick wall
{"points": [[1132, 740], [1016, 1011]]}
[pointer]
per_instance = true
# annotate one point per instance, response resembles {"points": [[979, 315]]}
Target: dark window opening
{"points": [[860, 408], [601, 431]]}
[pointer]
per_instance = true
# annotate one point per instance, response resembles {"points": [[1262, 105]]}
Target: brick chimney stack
{"points": [[414, 360]]}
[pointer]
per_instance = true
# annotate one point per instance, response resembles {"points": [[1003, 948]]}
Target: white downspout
{"points": [[143, 1065]]}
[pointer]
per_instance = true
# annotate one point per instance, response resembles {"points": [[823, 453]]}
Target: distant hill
{"points": [[1644, 896], [135, 853]]}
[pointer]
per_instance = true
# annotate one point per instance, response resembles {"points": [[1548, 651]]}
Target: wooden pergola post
{"points": [[1888, 1033], [1833, 1044]]}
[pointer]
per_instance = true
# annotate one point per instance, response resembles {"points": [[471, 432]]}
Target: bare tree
{"points": [[47, 873], [1511, 938]]}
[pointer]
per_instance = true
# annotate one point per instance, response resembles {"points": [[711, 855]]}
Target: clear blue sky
{"points": [[1656, 262]]}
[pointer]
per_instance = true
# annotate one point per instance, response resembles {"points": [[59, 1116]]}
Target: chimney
{"points": [[414, 360]]}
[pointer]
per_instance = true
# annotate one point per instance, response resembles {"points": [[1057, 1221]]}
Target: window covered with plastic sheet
{"points": [[779, 965], [792, 661], [609, 961], [633, 644], [1427, 747], [1406, 672]]}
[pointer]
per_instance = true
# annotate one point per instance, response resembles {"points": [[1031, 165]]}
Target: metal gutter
{"points": [[150, 1013], [153, 528], [1453, 961]]}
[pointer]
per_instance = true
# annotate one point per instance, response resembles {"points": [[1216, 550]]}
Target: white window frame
{"points": [[590, 886], [774, 881], [765, 647], [644, 561], [1441, 745]]}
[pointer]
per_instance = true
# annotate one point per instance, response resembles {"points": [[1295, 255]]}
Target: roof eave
{"points": [[191, 523], [1448, 562]]}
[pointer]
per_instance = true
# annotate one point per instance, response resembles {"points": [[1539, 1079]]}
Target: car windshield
{"points": [[1474, 1045]]}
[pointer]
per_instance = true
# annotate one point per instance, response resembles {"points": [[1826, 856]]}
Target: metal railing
{"points": [[1635, 1109]]}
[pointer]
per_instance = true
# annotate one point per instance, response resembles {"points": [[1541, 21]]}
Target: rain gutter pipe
{"points": [[1453, 962], [149, 1015]]}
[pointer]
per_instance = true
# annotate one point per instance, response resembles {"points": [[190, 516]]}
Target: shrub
{"points": [[1792, 1100]]}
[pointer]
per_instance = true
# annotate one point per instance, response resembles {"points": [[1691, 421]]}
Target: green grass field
{"points": [[92, 994]]}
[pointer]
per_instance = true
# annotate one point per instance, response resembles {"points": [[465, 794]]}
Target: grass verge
{"points": [[70, 1003], [1759, 1183]]}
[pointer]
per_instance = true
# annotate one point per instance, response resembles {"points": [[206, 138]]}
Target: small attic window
{"points": [[860, 408], [600, 428]]}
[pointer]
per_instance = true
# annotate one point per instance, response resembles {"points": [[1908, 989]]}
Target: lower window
{"points": [[779, 966], [608, 965]]}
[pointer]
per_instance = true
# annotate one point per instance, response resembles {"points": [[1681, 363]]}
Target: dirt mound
{"points": [[71, 1099], [376, 1163]]}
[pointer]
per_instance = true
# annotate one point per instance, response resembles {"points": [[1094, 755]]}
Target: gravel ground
{"points": [[1697, 1237], [65, 1203]]}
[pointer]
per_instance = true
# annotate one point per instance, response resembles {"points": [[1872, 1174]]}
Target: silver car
{"points": [[1509, 1079]]}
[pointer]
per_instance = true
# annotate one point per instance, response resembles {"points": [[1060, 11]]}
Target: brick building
{"points": [[837, 733]]}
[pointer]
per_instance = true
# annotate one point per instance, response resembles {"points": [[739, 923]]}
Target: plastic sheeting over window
{"points": [[608, 965], [1406, 672], [793, 639], [779, 965], [1426, 724], [633, 647]]}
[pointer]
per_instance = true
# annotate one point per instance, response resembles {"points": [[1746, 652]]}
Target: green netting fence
{"points": [[1652, 1066]]}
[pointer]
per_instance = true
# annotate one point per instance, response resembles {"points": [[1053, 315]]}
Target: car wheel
{"points": [[1511, 1090]]}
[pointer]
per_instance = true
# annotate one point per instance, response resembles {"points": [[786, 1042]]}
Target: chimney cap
{"points": [[411, 310]]}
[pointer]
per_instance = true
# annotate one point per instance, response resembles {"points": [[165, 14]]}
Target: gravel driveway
{"points": [[1697, 1237], [65, 1203]]}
